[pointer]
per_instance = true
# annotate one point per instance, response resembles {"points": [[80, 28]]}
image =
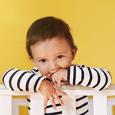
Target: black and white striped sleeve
{"points": [[88, 76], [22, 80]]}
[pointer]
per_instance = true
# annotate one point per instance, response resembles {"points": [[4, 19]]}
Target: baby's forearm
{"points": [[89, 76], [22, 80]]}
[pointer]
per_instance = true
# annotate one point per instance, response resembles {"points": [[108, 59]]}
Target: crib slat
{"points": [[100, 105], [36, 105], [69, 107], [5, 105]]}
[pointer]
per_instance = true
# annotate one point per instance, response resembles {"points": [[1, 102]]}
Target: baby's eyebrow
{"points": [[62, 52], [38, 58]]}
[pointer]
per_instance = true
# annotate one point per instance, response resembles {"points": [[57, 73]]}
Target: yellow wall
{"points": [[92, 23]]}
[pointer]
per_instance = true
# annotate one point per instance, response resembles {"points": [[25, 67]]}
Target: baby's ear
{"points": [[74, 51]]}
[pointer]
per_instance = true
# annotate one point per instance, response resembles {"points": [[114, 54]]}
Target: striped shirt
{"points": [[30, 80]]}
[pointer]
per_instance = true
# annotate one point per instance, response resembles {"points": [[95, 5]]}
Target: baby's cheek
{"points": [[65, 65], [43, 70]]}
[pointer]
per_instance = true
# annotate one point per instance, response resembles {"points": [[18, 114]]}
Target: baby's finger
{"points": [[54, 83], [61, 92], [45, 101], [57, 98], [54, 80], [59, 82], [62, 83], [52, 102]]}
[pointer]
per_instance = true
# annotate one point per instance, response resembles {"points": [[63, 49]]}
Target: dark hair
{"points": [[47, 28]]}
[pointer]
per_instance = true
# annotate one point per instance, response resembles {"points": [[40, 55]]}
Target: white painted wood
{"points": [[100, 105], [70, 90], [5, 105], [111, 103], [37, 106], [109, 109], [22, 102], [17, 102], [71, 109], [80, 90], [99, 100], [90, 101]]}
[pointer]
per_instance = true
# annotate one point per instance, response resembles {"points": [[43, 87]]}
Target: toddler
{"points": [[51, 49]]}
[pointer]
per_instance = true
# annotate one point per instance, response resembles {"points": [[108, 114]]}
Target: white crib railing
{"points": [[99, 100]]}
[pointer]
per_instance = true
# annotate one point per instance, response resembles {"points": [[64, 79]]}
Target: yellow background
{"points": [[92, 24]]}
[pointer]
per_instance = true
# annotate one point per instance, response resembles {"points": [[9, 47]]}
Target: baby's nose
{"points": [[53, 67]]}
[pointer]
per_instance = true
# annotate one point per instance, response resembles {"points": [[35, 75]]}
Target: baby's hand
{"points": [[59, 76], [50, 93]]}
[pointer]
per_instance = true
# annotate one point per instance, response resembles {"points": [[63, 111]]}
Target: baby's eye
{"points": [[42, 60], [60, 56]]}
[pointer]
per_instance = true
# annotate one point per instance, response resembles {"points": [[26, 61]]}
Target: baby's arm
{"points": [[22, 80], [86, 76], [25, 80]]}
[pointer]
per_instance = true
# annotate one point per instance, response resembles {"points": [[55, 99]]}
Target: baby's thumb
{"points": [[45, 102], [59, 82]]}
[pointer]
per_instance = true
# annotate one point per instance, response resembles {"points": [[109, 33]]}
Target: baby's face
{"points": [[51, 55]]}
